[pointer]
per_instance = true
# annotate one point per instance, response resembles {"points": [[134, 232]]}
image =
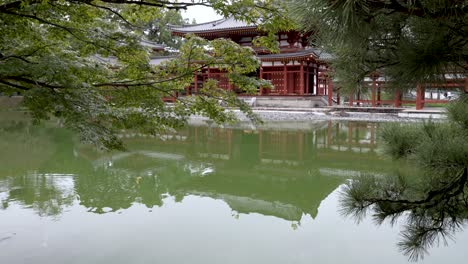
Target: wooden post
{"points": [[316, 73], [285, 79], [419, 97], [330, 92], [325, 84], [397, 98], [351, 98], [261, 77], [307, 78], [379, 90], [195, 84], [301, 79], [374, 87]]}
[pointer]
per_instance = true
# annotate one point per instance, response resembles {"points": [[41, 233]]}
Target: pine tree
{"points": [[408, 42]]}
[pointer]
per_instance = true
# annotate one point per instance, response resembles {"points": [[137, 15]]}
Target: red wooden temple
{"points": [[298, 70], [301, 70]]}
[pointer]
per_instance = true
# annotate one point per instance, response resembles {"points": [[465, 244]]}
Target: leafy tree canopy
{"points": [[53, 52], [158, 31], [408, 41]]}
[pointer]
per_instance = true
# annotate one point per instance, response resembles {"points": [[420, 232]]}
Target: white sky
{"points": [[201, 14]]}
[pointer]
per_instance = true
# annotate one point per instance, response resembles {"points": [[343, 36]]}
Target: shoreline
{"points": [[324, 114]]}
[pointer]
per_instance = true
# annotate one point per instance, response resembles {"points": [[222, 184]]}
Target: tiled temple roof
{"points": [[152, 45], [222, 25], [315, 53]]}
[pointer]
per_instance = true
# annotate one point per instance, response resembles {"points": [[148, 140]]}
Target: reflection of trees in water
{"points": [[272, 172], [24, 151], [120, 189], [18, 137], [47, 195]]}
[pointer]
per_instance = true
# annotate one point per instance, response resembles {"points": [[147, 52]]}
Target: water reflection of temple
{"points": [[277, 172], [329, 142], [284, 173]]}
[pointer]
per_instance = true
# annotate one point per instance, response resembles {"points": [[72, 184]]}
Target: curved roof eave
{"points": [[307, 53], [221, 25]]}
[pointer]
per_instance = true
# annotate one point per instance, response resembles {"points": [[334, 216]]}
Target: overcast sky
{"points": [[201, 14]]}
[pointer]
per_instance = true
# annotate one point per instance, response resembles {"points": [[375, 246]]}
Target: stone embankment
{"points": [[342, 113]]}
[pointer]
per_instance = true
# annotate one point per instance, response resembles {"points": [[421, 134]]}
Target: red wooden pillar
{"points": [[316, 72], [195, 84], [419, 97], [351, 98], [325, 84], [397, 98], [261, 77], [301, 79], [307, 78], [378, 96], [285, 79], [330, 91], [317, 82], [374, 87]]}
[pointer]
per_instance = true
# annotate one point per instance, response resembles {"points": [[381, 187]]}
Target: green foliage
{"points": [[436, 147], [400, 143], [158, 31], [458, 112], [81, 61], [433, 202], [408, 42]]}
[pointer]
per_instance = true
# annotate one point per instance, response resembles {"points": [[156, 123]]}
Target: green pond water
{"points": [[202, 195]]}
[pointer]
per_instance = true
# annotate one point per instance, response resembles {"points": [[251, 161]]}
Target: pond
{"points": [[205, 194]]}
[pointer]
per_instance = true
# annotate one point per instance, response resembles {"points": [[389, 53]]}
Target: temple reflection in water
{"points": [[271, 171]]}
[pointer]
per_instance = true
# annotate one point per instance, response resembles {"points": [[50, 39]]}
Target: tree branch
{"points": [[15, 85], [29, 81], [163, 4], [453, 189]]}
